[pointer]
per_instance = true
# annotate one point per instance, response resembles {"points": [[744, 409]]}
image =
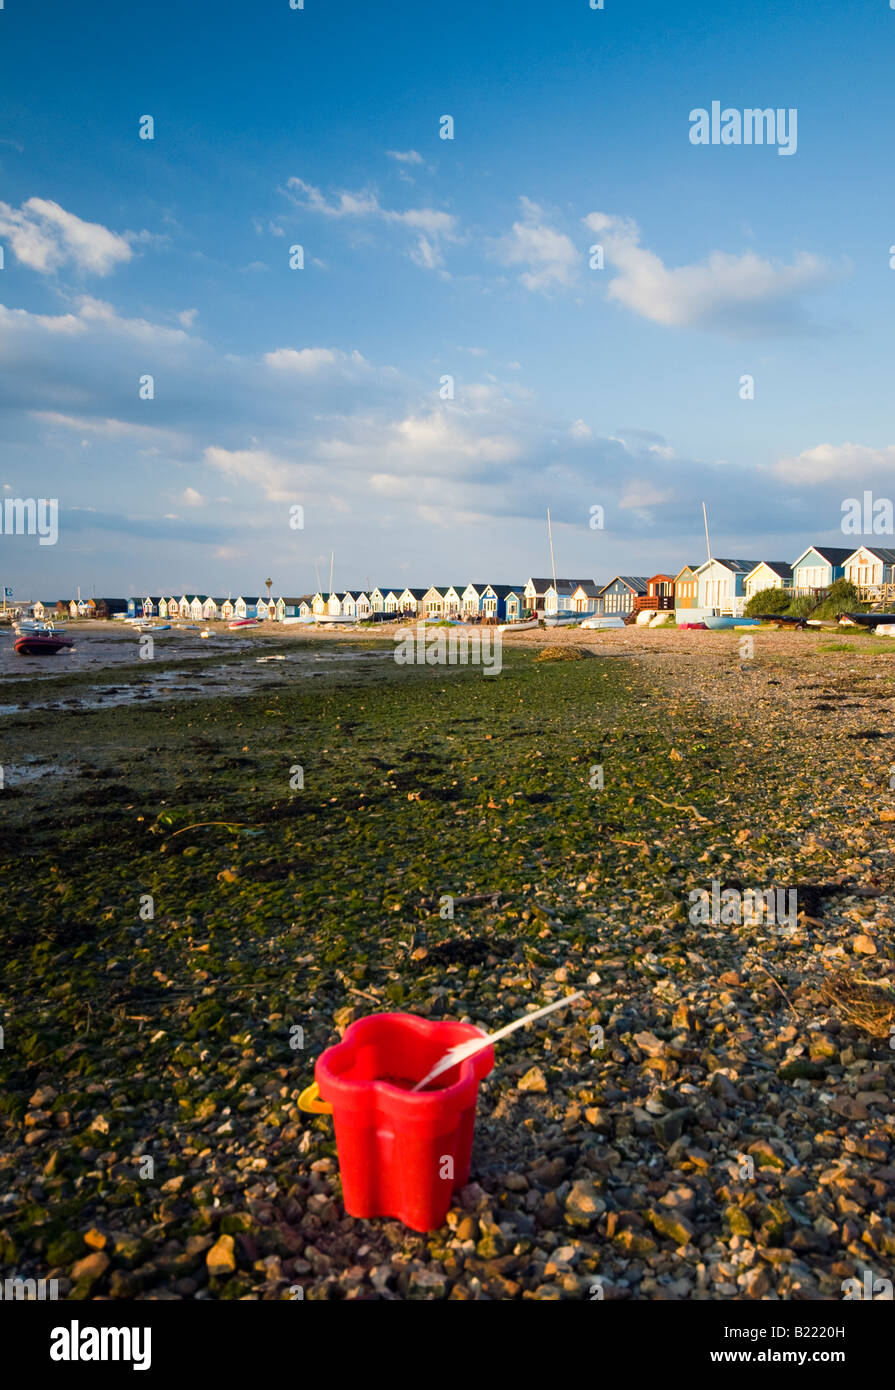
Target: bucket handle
{"points": [[310, 1100]]}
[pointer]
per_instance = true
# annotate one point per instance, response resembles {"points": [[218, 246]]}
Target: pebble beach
{"points": [[714, 1120]]}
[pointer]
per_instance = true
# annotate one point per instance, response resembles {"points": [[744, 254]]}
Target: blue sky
{"points": [[424, 258]]}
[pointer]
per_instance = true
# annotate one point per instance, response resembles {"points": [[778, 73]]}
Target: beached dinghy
{"points": [[596, 622], [518, 627], [41, 643], [720, 624], [26, 626], [865, 619]]}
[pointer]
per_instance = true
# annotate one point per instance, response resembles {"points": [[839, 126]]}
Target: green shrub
{"points": [[767, 601], [801, 606], [841, 597]]}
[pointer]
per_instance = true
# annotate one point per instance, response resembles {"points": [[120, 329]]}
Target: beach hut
{"points": [[228, 608], [106, 608], [433, 602], [411, 602], [586, 596], [685, 587], [513, 603], [536, 591], [558, 598], [472, 599], [292, 607], [246, 606], [617, 598], [722, 585], [872, 571], [349, 605], [509, 602], [768, 574], [659, 596], [817, 568], [320, 603], [211, 609]]}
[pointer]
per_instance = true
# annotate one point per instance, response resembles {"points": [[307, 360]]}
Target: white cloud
{"points": [[192, 497], [722, 291], [829, 462], [579, 430], [552, 257], [107, 427], [187, 317], [44, 237], [308, 361], [643, 494], [405, 156], [432, 226]]}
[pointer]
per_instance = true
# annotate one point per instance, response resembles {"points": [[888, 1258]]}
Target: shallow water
{"points": [[179, 666]]}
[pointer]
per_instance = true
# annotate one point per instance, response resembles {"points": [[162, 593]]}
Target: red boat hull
{"points": [[41, 646]]}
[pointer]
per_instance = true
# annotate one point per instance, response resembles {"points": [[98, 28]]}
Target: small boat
{"points": [[243, 622], [522, 626], [565, 620], [206, 633], [187, 627], [691, 627], [598, 623], [785, 619], [152, 627], [865, 619], [885, 630], [719, 624], [269, 658], [30, 625], [41, 644]]}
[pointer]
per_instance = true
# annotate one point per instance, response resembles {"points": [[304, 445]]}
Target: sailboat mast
{"points": [[331, 559], [552, 561], [708, 548]]}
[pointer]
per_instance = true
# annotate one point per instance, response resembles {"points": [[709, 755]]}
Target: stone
{"points": [[584, 1205], [426, 1283], [533, 1080], [668, 1128], [864, 945], [672, 1226], [650, 1044], [91, 1268], [221, 1258]]}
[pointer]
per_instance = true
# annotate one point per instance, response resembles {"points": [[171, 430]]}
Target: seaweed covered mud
{"points": [[202, 890]]}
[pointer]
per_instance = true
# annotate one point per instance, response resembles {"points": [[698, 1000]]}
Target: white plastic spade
{"points": [[469, 1049]]}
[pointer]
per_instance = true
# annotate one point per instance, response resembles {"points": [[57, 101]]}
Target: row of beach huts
{"points": [[720, 586]]}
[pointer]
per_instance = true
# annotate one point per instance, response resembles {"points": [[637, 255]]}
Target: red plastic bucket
{"points": [[401, 1153]]}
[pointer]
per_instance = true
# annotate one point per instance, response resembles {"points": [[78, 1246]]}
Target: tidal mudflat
{"points": [[201, 873]]}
